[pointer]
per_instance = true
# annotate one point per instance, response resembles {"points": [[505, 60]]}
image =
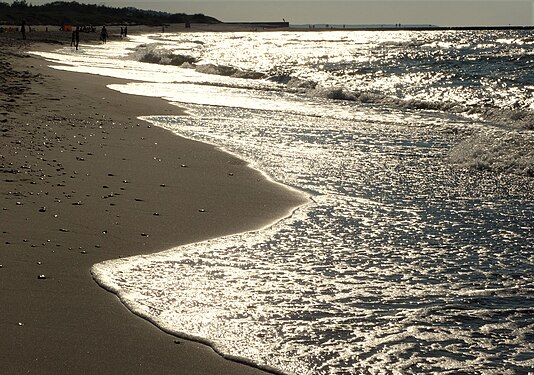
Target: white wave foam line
{"points": [[104, 278], [110, 275]]}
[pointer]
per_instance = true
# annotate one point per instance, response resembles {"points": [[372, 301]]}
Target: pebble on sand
{"points": [[41, 277]]}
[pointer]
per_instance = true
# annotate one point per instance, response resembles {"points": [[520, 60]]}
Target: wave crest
{"points": [[228, 71], [516, 118], [500, 151], [151, 53]]}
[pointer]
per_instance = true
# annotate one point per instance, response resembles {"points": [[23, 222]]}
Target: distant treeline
{"points": [[74, 13]]}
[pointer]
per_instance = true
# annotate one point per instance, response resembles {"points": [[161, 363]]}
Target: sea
{"points": [[415, 253]]}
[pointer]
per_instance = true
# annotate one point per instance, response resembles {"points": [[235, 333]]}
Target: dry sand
{"points": [[83, 180]]}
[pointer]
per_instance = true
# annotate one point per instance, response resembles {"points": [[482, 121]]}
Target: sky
{"points": [[366, 12]]}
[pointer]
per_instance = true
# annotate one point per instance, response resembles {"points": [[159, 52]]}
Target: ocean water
{"points": [[415, 253]]}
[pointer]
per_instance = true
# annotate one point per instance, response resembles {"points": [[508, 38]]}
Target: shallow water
{"points": [[415, 254]]}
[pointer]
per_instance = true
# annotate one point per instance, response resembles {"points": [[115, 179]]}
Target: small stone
{"points": [[41, 277], [156, 214], [202, 210], [184, 166], [162, 185], [83, 252], [144, 234], [42, 209], [21, 324], [63, 230]]}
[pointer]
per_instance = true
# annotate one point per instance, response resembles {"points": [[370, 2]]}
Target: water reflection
{"points": [[403, 262]]}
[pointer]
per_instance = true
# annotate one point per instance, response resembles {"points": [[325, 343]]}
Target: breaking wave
{"points": [[228, 71], [154, 54], [510, 152], [520, 118]]}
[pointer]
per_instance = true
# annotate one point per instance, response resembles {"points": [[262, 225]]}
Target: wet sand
{"points": [[83, 180]]}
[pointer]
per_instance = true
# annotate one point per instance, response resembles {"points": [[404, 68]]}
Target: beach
{"points": [[82, 181], [410, 252]]}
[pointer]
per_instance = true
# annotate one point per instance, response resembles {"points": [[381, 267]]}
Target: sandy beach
{"points": [[82, 181]]}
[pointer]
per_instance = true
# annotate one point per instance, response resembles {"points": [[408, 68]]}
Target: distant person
{"points": [[125, 31], [77, 37], [104, 35], [23, 30]]}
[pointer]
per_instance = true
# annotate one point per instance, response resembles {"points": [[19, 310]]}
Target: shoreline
{"points": [[83, 181]]}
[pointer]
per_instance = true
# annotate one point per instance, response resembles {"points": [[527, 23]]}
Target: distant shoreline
{"points": [[322, 27], [270, 25]]}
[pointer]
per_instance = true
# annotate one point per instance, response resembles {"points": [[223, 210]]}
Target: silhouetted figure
{"points": [[23, 30], [104, 35], [77, 37], [125, 31]]}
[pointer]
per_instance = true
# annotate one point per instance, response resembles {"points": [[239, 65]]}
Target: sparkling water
{"points": [[415, 252]]}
